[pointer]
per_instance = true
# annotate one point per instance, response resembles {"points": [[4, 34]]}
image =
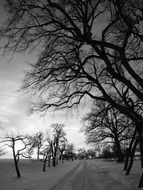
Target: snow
{"points": [[76, 175]]}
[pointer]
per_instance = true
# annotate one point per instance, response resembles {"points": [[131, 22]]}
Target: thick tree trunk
{"points": [[128, 151], [141, 148], [141, 181], [141, 154], [120, 157], [132, 157], [127, 158], [54, 161]]}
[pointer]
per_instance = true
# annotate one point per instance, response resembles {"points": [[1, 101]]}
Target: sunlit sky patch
{"points": [[15, 106]]}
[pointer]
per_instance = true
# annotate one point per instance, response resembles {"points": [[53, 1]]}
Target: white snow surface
{"points": [[91, 174]]}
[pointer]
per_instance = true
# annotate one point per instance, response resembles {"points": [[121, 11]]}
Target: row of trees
{"points": [[115, 134], [49, 146], [88, 48]]}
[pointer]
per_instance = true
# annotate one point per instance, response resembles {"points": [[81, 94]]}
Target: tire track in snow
{"points": [[65, 182], [84, 179]]}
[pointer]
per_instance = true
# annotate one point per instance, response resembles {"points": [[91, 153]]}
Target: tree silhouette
{"points": [[76, 59], [46, 152], [87, 48], [11, 141], [36, 142], [105, 124]]}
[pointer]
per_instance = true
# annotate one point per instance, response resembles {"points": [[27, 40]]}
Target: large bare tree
{"points": [[87, 48]]}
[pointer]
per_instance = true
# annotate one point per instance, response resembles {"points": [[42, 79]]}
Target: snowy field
{"points": [[76, 175]]}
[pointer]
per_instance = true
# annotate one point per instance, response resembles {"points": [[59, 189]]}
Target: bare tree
{"points": [[89, 61], [54, 145], [106, 124], [80, 57], [46, 152], [36, 142], [69, 151], [62, 147], [58, 136], [11, 141], [81, 153]]}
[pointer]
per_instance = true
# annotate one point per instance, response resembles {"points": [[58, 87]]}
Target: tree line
{"points": [[46, 147]]}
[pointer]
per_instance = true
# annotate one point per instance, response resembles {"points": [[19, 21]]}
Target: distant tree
{"points": [[36, 142], [46, 152], [12, 141], [55, 140], [69, 151], [91, 153], [107, 153], [62, 147], [81, 153], [106, 124]]}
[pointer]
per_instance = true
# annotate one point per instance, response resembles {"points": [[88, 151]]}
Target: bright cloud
{"points": [[15, 108]]}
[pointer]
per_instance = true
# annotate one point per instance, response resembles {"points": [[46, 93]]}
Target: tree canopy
{"points": [[87, 48]]}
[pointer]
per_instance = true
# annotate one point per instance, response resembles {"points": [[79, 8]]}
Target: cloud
{"points": [[13, 110]]}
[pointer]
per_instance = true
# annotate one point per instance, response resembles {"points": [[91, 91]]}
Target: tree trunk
{"points": [[54, 161], [128, 151], [141, 148], [44, 165], [15, 161], [141, 181], [120, 157], [132, 157], [16, 167], [127, 158]]}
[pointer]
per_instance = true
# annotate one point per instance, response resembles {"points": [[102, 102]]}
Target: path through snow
{"points": [[89, 175], [77, 175]]}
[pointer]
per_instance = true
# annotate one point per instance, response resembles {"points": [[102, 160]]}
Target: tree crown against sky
{"points": [[104, 124], [87, 48]]}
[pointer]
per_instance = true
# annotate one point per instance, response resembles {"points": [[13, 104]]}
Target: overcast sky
{"points": [[15, 115]]}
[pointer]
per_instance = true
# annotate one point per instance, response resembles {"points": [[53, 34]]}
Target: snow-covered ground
{"points": [[76, 175]]}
